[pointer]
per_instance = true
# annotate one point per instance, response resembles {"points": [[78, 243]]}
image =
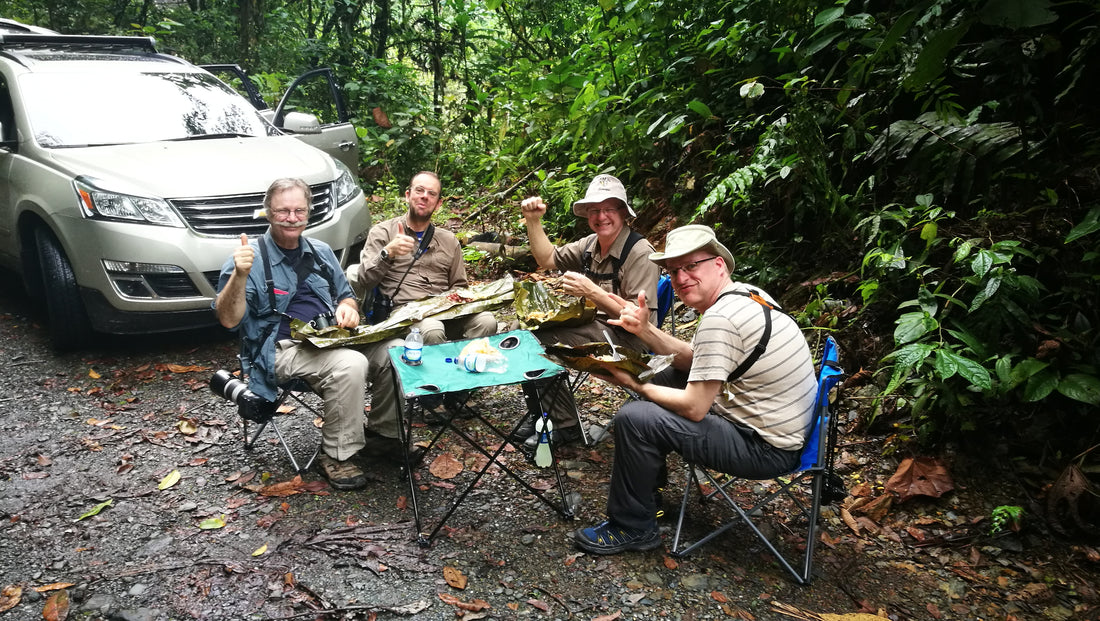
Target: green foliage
{"points": [[1005, 515]]}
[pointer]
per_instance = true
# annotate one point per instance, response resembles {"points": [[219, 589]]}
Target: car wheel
{"points": [[69, 326]]}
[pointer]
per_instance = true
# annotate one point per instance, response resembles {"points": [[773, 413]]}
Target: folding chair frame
{"points": [[818, 453], [288, 390]]}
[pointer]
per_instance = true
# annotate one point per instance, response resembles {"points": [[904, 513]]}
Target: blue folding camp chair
{"points": [[666, 298], [812, 477]]}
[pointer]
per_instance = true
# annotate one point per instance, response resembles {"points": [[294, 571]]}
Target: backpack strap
{"points": [[616, 262], [762, 346]]}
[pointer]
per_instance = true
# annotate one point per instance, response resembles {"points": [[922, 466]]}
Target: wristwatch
{"points": [[385, 256]]}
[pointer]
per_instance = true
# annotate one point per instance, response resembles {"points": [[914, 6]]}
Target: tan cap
{"points": [[688, 239], [602, 188]]}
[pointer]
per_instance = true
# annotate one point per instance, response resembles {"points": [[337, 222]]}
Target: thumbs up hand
{"points": [[402, 243], [243, 257]]}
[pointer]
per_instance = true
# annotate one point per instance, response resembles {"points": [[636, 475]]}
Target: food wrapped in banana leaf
{"points": [[598, 358]]}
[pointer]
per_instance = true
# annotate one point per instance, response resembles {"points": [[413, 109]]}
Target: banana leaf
{"points": [[597, 358], [458, 302], [538, 305]]}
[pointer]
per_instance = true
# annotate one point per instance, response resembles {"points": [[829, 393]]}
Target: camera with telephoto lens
{"points": [[252, 407], [320, 322]]}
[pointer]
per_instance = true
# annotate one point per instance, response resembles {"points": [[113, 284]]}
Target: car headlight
{"points": [[345, 185], [99, 203]]}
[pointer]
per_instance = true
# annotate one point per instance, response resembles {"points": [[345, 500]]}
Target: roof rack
{"points": [[84, 43]]}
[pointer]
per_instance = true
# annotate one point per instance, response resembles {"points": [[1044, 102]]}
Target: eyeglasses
{"points": [[283, 214], [421, 191], [688, 268], [598, 212]]}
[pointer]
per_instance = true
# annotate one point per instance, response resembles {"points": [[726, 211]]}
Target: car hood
{"points": [[209, 167]]}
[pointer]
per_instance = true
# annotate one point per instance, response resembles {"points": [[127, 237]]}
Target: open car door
{"points": [[312, 109]]}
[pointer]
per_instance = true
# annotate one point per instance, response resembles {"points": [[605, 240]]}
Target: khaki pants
{"points": [[339, 376]]}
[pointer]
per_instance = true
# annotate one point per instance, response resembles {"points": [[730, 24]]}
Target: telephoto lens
{"points": [[251, 406]]}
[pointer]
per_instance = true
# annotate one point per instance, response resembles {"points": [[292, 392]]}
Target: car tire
{"points": [[69, 326]]}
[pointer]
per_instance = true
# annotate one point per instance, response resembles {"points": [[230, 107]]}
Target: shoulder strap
{"points": [[761, 346], [616, 262], [420, 250]]}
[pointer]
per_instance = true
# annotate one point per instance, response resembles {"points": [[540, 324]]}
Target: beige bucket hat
{"points": [[602, 188], [688, 239]]}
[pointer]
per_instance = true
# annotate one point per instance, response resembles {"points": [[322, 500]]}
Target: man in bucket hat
{"points": [[606, 266], [725, 403]]}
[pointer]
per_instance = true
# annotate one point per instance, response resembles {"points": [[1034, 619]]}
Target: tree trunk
{"points": [[380, 29]]}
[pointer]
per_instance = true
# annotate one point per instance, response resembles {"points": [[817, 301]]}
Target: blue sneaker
{"points": [[608, 538]]}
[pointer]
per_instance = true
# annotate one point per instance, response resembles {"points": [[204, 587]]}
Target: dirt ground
{"points": [[93, 526]]}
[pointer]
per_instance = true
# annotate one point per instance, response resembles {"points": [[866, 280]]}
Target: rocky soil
{"points": [[92, 525]]}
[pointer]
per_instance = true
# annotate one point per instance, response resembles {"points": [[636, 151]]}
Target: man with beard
{"points": [[297, 278], [408, 258]]}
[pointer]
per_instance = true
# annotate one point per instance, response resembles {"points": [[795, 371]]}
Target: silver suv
{"points": [[127, 177]]}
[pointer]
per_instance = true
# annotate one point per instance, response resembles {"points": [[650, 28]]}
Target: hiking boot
{"points": [[610, 538], [341, 475], [558, 437], [383, 447]]}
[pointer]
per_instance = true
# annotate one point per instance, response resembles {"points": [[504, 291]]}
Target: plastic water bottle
{"points": [[483, 363], [414, 346]]}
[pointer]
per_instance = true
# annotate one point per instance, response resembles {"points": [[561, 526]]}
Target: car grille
{"points": [[229, 216]]}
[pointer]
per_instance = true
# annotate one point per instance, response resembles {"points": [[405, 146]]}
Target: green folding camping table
{"points": [[436, 376]]}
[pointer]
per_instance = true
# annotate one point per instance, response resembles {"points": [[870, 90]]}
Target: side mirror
{"points": [[301, 123]]}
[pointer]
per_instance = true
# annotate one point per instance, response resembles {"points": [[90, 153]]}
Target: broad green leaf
{"points": [[1081, 387], [987, 292], [828, 15], [1003, 367], [607, 5], [1089, 225], [212, 523], [973, 372], [981, 263], [945, 364], [1027, 368], [1016, 14], [493, 5], [912, 326], [906, 359], [978, 347], [930, 61], [96, 509], [700, 108], [928, 232], [169, 480], [1040, 385], [927, 301]]}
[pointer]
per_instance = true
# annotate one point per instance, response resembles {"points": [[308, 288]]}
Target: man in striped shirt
{"points": [[725, 403]]}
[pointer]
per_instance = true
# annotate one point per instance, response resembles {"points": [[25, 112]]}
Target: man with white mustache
{"points": [[297, 278]]}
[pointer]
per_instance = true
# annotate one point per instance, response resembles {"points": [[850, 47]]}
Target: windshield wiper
{"points": [[212, 136]]}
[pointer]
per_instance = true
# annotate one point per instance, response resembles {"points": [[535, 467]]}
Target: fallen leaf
{"points": [[260, 550], [610, 617], [57, 606], [169, 480], [212, 523], [92, 374], [474, 606], [876, 509], [445, 466], [454, 577], [719, 597], [512, 606], [177, 368], [44, 461], [402, 503], [96, 509], [10, 597], [286, 488], [921, 476], [187, 427], [670, 563], [538, 603]]}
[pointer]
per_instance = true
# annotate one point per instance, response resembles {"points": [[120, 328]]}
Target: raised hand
{"points": [[533, 208], [243, 257], [634, 318], [402, 243]]}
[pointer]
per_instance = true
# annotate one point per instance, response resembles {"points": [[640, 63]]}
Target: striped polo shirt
{"points": [[776, 395]]}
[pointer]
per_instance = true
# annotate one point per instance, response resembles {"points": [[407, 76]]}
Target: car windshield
{"points": [[86, 109]]}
